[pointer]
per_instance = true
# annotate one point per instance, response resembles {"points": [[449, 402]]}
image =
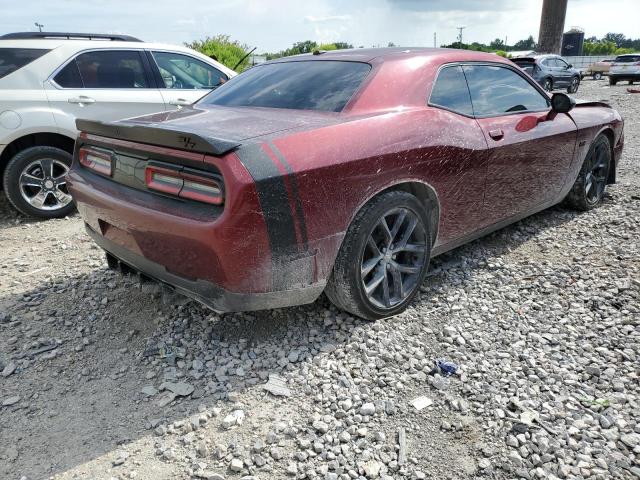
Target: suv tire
{"points": [[35, 184], [573, 86], [612, 81], [390, 258]]}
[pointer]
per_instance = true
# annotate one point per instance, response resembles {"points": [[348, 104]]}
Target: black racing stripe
{"points": [[296, 196], [274, 200]]}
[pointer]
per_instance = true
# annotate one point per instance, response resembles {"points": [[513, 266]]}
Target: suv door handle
{"points": [[82, 100], [180, 102], [496, 134]]}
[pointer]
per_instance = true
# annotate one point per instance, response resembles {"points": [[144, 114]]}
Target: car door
{"points": [[103, 85], [531, 148], [184, 79], [563, 71]]}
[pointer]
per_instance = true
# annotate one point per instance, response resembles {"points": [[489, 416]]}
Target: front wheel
{"points": [[588, 190], [35, 183], [573, 86], [383, 258]]}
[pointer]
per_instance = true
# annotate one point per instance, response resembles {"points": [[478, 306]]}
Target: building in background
{"points": [[572, 42]]}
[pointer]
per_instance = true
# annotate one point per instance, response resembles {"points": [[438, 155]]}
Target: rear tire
{"points": [[588, 190], [597, 76], [35, 185], [383, 258], [612, 81], [547, 84]]}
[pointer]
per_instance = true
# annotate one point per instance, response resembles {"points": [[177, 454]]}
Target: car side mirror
{"points": [[569, 66], [562, 103]]}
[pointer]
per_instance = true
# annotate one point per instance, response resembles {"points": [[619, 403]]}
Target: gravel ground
{"points": [[100, 380]]}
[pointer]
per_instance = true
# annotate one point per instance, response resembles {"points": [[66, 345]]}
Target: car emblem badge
{"points": [[187, 142]]}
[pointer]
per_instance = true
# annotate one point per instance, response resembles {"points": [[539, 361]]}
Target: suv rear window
{"points": [[324, 85], [627, 59], [12, 59]]}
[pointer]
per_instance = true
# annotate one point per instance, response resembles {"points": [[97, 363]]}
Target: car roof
{"points": [[395, 53], [51, 43]]}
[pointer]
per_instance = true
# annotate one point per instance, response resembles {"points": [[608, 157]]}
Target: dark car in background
{"points": [[551, 72]]}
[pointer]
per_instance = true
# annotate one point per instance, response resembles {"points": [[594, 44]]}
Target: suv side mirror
{"points": [[562, 103], [569, 66]]}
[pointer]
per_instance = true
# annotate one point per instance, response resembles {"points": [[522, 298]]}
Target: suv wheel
{"points": [[547, 84], [383, 258], [573, 86], [612, 81], [35, 183]]}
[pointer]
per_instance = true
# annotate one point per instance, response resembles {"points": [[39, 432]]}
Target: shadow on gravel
{"points": [[10, 217], [83, 399]]}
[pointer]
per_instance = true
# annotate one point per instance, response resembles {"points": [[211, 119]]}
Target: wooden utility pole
{"points": [[551, 26]]}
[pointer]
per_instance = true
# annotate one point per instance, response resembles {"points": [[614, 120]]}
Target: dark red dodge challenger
{"points": [[342, 172]]}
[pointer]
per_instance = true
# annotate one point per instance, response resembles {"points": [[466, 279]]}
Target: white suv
{"points": [[625, 67], [47, 80]]}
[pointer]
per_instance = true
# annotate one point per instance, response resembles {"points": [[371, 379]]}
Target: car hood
{"points": [[235, 123]]}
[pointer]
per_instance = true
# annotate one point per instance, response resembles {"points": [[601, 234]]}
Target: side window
{"points": [[561, 63], [185, 72], [111, 69], [69, 76], [498, 90], [549, 63], [450, 91]]}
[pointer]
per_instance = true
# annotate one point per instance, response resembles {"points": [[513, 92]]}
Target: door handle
{"points": [[82, 100], [180, 102], [496, 134]]}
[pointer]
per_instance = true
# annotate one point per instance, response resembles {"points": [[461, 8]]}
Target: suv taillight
{"points": [[96, 160], [184, 183]]}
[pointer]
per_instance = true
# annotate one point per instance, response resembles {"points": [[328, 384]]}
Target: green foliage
{"points": [[227, 51], [502, 53], [308, 46], [528, 44]]}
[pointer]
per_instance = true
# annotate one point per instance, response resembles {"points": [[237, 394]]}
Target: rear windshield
{"points": [[628, 59], [527, 64], [322, 85], [12, 59]]}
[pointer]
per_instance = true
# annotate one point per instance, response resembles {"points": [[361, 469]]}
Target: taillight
{"points": [[184, 183], [96, 160]]}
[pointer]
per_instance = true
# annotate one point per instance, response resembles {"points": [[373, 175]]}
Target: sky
{"points": [[273, 25]]}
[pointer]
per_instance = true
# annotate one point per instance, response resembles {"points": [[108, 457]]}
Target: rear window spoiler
{"points": [[160, 136]]}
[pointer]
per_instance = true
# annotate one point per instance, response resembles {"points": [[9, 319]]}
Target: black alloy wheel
{"points": [[547, 84], [384, 257], [588, 189]]}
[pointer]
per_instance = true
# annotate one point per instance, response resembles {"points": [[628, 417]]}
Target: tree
{"points": [[497, 44], [528, 44], [228, 52], [342, 45], [617, 38]]}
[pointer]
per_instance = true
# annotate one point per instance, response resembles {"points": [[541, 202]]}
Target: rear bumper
{"points": [[624, 76], [207, 293]]}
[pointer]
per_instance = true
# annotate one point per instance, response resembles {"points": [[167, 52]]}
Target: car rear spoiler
{"points": [[161, 136], [592, 103]]}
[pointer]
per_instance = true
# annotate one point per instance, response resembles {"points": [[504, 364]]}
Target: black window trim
{"points": [[156, 69], [147, 71], [489, 64]]}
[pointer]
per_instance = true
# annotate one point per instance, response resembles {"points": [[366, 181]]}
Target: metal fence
{"points": [[582, 62]]}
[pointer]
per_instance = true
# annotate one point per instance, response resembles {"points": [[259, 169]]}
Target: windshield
{"points": [[306, 85], [12, 59], [628, 59]]}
